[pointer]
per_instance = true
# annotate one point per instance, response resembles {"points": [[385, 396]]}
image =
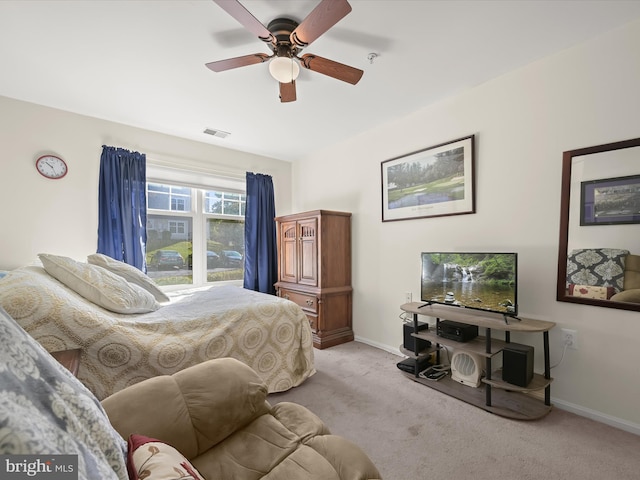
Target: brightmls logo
{"points": [[49, 467]]}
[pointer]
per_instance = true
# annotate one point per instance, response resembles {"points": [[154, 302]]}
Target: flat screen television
{"points": [[483, 281]]}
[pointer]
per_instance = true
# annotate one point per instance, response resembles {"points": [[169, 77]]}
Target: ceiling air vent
{"points": [[216, 133]]}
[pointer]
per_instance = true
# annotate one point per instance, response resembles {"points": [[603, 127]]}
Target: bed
{"points": [[270, 334]]}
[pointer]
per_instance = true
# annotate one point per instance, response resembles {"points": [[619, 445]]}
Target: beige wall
{"points": [[60, 216], [523, 121]]}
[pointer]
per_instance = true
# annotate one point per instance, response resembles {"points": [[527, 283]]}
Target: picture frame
{"points": [[433, 182], [610, 201]]}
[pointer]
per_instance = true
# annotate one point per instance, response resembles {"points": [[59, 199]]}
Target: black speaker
{"points": [[409, 340], [517, 364]]}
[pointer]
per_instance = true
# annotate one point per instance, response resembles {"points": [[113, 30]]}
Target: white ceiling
{"points": [[141, 63]]}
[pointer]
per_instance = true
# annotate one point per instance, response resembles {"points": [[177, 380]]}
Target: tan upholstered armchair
{"points": [[217, 416], [631, 284]]}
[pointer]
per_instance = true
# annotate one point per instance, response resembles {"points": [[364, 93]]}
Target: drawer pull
{"points": [[310, 302]]}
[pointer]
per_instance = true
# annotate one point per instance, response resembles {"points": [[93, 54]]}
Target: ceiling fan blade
{"points": [[246, 19], [333, 69], [229, 63], [326, 14], [288, 92]]}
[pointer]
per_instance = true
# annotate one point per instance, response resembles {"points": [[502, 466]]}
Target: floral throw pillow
{"points": [[151, 459]]}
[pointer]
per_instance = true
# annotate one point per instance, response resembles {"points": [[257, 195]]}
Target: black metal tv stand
{"points": [[494, 394]]}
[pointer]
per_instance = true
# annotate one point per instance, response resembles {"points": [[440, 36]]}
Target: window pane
{"points": [[185, 191], [213, 202], [155, 187], [158, 201], [225, 249], [231, 208], [224, 203], [169, 249], [168, 197]]}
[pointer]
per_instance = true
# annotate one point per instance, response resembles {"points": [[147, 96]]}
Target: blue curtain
{"points": [[122, 206], [260, 250]]}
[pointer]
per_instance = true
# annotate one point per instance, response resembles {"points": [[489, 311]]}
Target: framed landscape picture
{"points": [[610, 201], [433, 182]]}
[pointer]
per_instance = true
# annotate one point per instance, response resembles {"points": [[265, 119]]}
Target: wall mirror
{"points": [[599, 222]]}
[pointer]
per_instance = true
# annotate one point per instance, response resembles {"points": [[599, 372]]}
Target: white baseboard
{"points": [[557, 402], [597, 416], [386, 348]]}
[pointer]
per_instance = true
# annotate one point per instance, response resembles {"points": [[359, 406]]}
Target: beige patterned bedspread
{"points": [[270, 334]]}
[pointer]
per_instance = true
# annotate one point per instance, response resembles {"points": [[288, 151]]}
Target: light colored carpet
{"points": [[413, 432]]}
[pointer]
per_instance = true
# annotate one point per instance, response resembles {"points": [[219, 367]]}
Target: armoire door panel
{"points": [[308, 259], [288, 253]]}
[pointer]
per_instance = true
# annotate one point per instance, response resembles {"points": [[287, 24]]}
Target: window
{"points": [[177, 227], [195, 236]]}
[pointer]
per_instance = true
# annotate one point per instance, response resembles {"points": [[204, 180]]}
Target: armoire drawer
{"points": [[309, 303]]}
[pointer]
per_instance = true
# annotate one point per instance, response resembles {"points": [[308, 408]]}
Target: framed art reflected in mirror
{"points": [[599, 247], [610, 201]]}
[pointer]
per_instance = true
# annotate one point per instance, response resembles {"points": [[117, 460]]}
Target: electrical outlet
{"points": [[570, 338], [407, 297]]}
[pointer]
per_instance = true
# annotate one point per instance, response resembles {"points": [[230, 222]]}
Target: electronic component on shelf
{"points": [[517, 364], [460, 332], [409, 340], [409, 364], [433, 373]]}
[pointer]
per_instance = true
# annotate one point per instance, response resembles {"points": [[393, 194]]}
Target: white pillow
{"points": [[130, 273], [99, 285]]}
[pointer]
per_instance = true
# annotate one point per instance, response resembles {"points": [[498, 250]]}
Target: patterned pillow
{"points": [[152, 459], [130, 273], [591, 291], [44, 410], [597, 266], [99, 286]]}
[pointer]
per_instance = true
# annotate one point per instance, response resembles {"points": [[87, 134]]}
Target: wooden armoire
{"points": [[314, 271]]}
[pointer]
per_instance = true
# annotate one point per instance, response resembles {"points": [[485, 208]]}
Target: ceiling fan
{"points": [[286, 38]]}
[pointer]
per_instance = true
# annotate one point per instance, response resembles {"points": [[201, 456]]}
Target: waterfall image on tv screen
{"points": [[485, 281]]}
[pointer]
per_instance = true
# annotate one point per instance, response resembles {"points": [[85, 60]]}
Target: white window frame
{"points": [[198, 183]]}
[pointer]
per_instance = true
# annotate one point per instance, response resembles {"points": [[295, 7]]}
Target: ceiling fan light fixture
{"points": [[284, 69]]}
